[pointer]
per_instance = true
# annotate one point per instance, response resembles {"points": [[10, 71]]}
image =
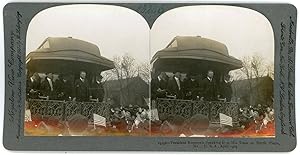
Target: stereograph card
{"points": [[150, 76]]}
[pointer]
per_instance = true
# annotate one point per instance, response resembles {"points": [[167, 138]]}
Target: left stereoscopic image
{"points": [[87, 72]]}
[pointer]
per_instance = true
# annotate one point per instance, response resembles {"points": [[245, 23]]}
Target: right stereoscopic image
{"points": [[212, 73]]}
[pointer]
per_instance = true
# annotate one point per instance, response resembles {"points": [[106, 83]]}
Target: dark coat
{"points": [[209, 90], [191, 89], [32, 88], [98, 91], [173, 88], [64, 89], [225, 90], [46, 89], [81, 90], [158, 84]]}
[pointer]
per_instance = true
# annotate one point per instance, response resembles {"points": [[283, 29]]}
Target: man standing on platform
{"points": [[191, 87], [98, 89], [225, 88], [64, 88], [47, 87], [159, 86], [33, 86], [175, 86], [209, 88], [82, 88]]}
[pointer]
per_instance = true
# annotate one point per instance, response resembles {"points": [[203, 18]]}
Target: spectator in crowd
{"points": [[269, 117], [196, 126], [258, 120], [118, 121], [245, 118], [77, 125], [172, 126], [141, 124]]}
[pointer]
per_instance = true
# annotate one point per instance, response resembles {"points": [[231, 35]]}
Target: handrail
{"points": [[189, 108], [65, 109]]}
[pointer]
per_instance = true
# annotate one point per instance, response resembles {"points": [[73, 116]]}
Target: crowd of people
{"points": [[259, 116], [63, 88], [192, 87], [135, 120], [128, 120], [123, 122]]}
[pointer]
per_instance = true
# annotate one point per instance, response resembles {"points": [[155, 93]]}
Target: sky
{"points": [[117, 30], [245, 32]]}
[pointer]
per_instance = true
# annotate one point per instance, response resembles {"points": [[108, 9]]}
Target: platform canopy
{"points": [[194, 53], [66, 54]]}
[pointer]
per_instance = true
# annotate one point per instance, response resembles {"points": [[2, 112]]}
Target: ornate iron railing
{"points": [[189, 108], [66, 109]]}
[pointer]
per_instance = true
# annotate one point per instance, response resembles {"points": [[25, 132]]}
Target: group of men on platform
{"points": [[191, 88], [64, 89]]}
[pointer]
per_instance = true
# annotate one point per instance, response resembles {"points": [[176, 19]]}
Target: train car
{"points": [[67, 56], [195, 55]]}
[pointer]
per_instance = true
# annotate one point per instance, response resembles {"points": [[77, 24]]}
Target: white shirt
{"points": [[31, 79], [81, 79], [159, 79], [178, 82], [50, 83], [209, 78]]}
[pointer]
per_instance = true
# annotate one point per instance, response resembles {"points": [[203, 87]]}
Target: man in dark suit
{"points": [[190, 87], [81, 91], [33, 86], [209, 88], [225, 88], [174, 87], [97, 91], [47, 87], [159, 86], [63, 87]]}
